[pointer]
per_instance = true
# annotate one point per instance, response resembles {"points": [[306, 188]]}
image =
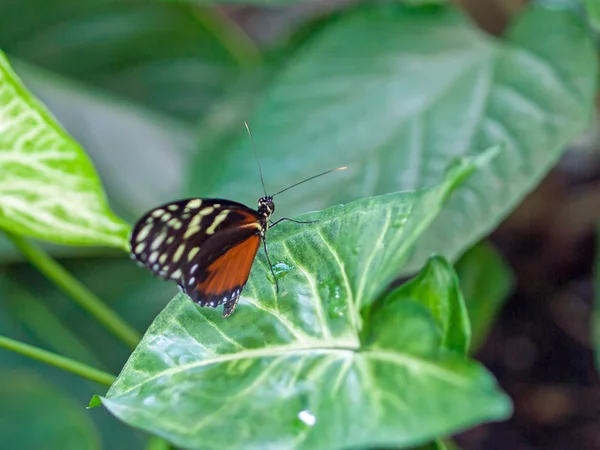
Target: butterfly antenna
{"points": [[311, 178], [262, 181]]}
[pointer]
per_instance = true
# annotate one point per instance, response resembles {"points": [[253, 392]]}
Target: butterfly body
{"points": [[207, 246]]}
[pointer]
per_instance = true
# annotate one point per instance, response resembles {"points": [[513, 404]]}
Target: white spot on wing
{"points": [[206, 211], [178, 252], [220, 218], [144, 232], [158, 240], [193, 204], [176, 274]]}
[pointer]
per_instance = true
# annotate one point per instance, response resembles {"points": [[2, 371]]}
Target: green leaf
{"points": [[396, 93], [289, 370], [218, 128], [144, 145], [485, 281], [64, 425], [162, 56], [49, 188], [436, 287], [593, 10]]}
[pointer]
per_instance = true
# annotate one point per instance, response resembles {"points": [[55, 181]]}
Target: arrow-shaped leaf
{"points": [[290, 370], [48, 187]]}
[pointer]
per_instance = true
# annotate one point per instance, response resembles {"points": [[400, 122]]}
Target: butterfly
{"points": [[207, 246]]}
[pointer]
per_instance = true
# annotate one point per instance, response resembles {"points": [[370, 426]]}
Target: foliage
{"points": [[303, 359], [485, 282], [396, 94], [412, 98], [49, 188]]}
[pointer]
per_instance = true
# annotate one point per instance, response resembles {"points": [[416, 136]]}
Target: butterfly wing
{"points": [[224, 278], [207, 246]]}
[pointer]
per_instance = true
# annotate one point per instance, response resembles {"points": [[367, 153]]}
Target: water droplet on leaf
{"points": [[337, 304], [280, 270]]}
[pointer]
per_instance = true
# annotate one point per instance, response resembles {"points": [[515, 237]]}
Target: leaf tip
{"points": [[94, 402]]}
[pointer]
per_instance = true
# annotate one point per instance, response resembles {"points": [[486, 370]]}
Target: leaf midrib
{"points": [[284, 350], [415, 362]]}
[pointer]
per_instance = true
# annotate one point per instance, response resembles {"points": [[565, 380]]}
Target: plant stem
{"points": [[76, 290], [61, 362], [43, 323]]}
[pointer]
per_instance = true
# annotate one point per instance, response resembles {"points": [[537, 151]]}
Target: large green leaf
{"points": [[486, 281], [143, 144], [436, 286], [140, 161], [163, 56], [395, 93], [49, 187], [63, 426], [290, 370]]}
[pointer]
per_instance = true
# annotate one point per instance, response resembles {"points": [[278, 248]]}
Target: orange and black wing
{"points": [[223, 279], [207, 246]]}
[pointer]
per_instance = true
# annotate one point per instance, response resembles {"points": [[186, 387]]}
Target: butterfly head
{"points": [[266, 207]]}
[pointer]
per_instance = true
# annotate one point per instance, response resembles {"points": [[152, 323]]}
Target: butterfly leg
{"points": [[291, 220], [271, 266]]}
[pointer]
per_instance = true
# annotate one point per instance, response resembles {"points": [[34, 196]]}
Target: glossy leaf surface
{"points": [[49, 188], [396, 93], [136, 135], [436, 287], [291, 370]]}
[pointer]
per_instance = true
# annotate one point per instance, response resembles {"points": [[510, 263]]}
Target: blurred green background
{"points": [[145, 86]]}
